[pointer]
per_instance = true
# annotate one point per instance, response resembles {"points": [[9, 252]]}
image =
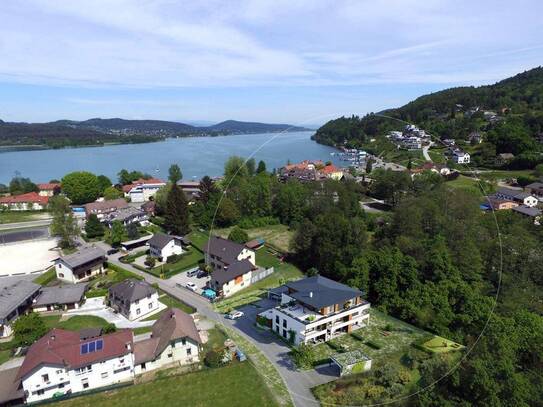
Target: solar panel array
{"points": [[91, 347]]}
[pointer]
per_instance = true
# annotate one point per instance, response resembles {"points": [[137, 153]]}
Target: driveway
{"points": [[182, 279], [298, 383], [97, 307]]}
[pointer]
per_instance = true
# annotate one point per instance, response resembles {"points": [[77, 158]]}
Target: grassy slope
{"points": [[18, 216], [235, 385]]}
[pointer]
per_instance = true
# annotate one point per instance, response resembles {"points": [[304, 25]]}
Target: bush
{"points": [[374, 345], [303, 356], [249, 223], [238, 235], [214, 359], [150, 261], [173, 258], [109, 328]]}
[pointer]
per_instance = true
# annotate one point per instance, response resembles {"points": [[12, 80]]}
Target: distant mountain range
{"points": [[97, 131]]}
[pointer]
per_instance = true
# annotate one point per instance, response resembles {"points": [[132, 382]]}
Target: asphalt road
{"points": [[298, 383], [26, 225]]}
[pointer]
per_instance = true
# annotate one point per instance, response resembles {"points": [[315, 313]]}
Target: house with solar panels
{"points": [[64, 362]]}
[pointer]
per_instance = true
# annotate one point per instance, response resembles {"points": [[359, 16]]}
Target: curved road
{"points": [[298, 383]]}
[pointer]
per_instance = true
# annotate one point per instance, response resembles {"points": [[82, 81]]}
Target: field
{"points": [[278, 236], [236, 385], [389, 343]]}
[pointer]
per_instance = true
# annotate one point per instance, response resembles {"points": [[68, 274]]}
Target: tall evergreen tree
{"points": [[261, 167], [174, 174], [93, 227], [63, 225], [177, 213]]}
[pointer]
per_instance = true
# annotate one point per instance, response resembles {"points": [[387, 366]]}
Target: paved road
{"points": [[425, 152], [298, 383], [26, 225]]}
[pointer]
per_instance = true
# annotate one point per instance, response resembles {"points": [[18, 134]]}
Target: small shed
{"points": [[352, 362], [255, 244]]}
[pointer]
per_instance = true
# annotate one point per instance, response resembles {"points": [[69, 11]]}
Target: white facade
{"points": [[237, 284], [47, 380], [181, 351], [461, 157], [140, 308], [174, 246], [309, 326], [65, 273], [530, 201], [142, 193]]}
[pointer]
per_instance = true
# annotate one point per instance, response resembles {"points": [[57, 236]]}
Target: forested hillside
{"points": [[509, 114]]}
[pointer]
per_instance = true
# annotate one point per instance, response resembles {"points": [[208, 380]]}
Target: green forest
{"points": [[455, 113], [435, 261]]}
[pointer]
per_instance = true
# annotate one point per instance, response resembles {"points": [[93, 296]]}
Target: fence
{"points": [[261, 273]]}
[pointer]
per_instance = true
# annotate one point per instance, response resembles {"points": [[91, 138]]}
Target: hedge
{"points": [[373, 345]]}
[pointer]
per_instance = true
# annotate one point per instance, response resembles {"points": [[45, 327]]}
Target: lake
{"points": [[197, 156]]}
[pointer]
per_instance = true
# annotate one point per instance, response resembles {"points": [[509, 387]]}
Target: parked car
{"points": [[192, 273], [112, 251], [234, 315], [191, 286], [201, 274]]}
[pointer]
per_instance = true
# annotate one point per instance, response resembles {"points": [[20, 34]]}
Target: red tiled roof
{"points": [[303, 165], [32, 197], [63, 348], [141, 181], [330, 169], [48, 186]]}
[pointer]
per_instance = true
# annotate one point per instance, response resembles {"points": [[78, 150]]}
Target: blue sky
{"points": [[299, 62]]}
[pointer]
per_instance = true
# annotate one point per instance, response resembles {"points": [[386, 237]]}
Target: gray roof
{"points": [[61, 295], [123, 214], [10, 386], [320, 292], [509, 191], [236, 269], [84, 255], [526, 210], [131, 290], [14, 294], [161, 239], [535, 185], [224, 249]]}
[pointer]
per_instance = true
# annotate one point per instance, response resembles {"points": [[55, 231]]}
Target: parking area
{"points": [[183, 279], [16, 260]]}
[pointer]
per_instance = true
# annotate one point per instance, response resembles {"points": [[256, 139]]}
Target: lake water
{"points": [[197, 156]]}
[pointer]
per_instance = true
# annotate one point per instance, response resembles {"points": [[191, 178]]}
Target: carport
{"points": [[352, 362]]}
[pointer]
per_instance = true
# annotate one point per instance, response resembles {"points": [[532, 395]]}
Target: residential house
{"points": [[60, 298], [149, 208], [49, 189], [126, 216], [517, 195], [531, 212], [460, 157], [133, 298], [429, 166], [15, 299], [504, 158], [142, 190], [103, 208], [174, 340], [231, 263], [64, 362], [332, 172], [191, 189], [80, 266], [164, 246], [536, 189], [499, 204], [475, 137], [317, 309], [31, 201]]}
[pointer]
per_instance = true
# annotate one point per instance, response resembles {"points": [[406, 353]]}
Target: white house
{"points": [[133, 298], [69, 362], [164, 246], [174, 340], [232, 265], [16, 298], [64, 297], [31, 201], [461, 157], [316, 309], [517, 195], [142, 190], [87, 262]]}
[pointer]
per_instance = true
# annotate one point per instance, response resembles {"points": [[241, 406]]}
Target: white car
{"points": [[191, 286], [234, 315]]}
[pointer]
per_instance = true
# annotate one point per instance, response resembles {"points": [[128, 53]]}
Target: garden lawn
{"points": [[441, 345], [283, 272], [198, 239], [170, 302], [98, 286], [188, 260], [236, 385], [463, 182], [18, 216], [278, 236], [45, 278], [74, 323], [5, 355]]}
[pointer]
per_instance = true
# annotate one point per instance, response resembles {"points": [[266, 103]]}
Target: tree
{"points": [[132, 231], [234, 171], [81, 187], [238, 235], [112, 193], [176, 215], [207, 188], [150, 261], [174, 174], [104, 183], [93, 227], [369, 166], [261, 167], [28, 329], [538, 170], [117, 233], [63, 224], [109, 328], [19, 185], [227, 213], [251, 166]]}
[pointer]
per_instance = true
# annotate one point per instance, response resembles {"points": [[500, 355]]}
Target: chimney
{"points": [[310, 294]]}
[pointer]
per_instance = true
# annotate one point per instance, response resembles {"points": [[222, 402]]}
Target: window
{"points": [[170, 355], [284, 323], [277, 319], [85, 383], [59, 371], [121, 360], [45, 377], [104, 375], [61, 275], [40, 392], [61, 386], [92, 347], [189, 351], [138, 311], [137, 302], [184, 341], [150, 305], [284, 333], [99, 344]]}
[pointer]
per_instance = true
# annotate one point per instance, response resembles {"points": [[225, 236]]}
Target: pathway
{"points": [[298, 383], [425, 152]]}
